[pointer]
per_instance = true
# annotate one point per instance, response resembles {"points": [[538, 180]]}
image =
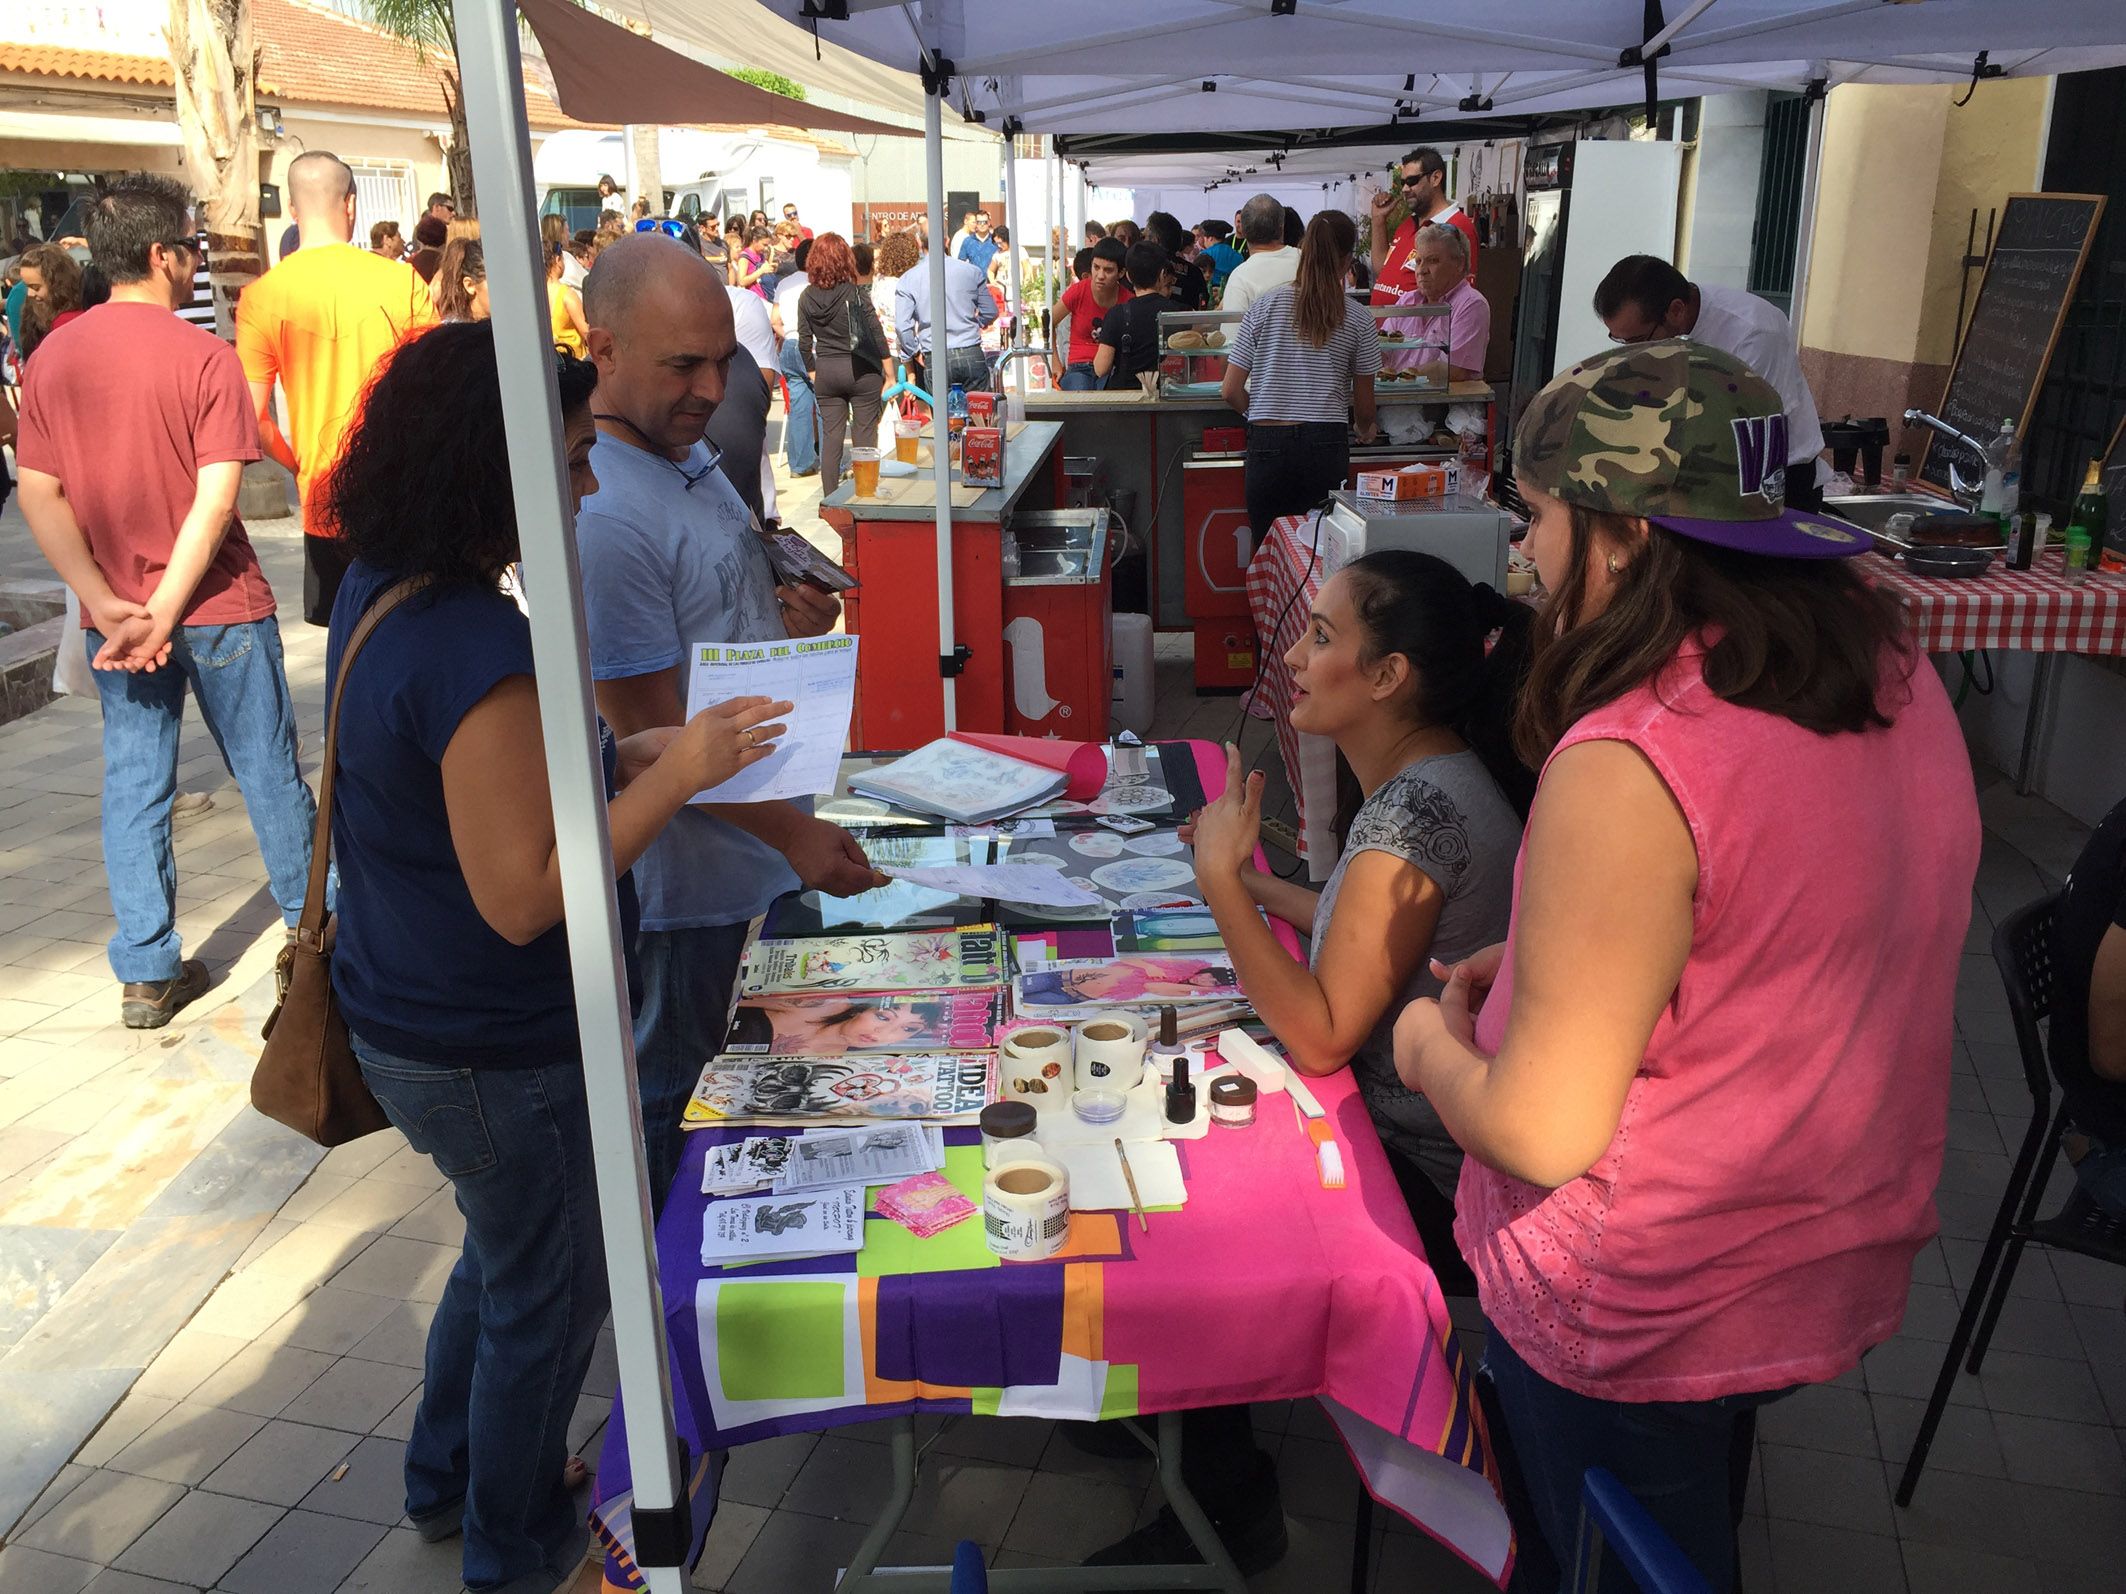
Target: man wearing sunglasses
{"points": [[1424, 188]]}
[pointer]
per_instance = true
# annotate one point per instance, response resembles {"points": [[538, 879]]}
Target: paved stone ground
{"points": [[251, 1317]]}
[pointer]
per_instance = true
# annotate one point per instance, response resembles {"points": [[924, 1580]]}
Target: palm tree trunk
{"points": [[457, 160], [215, 63]]}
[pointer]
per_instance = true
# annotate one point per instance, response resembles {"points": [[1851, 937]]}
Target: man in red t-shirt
{"points": [[1085, 305], [1424, 180], [136, 427]]}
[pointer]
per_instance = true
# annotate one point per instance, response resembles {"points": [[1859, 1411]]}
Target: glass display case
{"points": [[1414, 341], [1192, 351]]}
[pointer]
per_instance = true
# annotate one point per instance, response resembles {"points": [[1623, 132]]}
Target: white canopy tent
{"points": [[1195, 66], [1201, 65]]}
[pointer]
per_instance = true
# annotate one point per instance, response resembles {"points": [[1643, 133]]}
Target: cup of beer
{"points": [[864, 466], [905, 436]]}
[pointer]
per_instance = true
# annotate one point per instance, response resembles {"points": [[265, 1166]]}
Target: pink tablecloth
{"points": [[1263, 1286]]}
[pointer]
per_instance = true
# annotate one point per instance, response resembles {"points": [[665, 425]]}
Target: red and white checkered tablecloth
{"points": [[2022, 611], [1283, 578]]}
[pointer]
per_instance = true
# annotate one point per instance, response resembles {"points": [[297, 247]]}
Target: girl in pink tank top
{"points": [[1703, 1087]]}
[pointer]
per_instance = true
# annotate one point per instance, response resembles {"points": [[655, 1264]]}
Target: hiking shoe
{"points": [[150, 1004]]}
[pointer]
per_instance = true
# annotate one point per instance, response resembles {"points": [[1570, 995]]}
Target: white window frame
{"points": [[406, 212]]}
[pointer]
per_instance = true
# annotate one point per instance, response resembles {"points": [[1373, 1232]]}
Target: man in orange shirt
{"points": [[321, 322]]}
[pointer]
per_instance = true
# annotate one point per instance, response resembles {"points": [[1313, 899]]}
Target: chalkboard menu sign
{"points": [[2030, 276]]}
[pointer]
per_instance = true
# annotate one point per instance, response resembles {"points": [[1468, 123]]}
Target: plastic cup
{"points": [[905, 439], [864, 466]]}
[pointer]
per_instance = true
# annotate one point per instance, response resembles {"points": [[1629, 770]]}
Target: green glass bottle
{"points": [[2092, 509]]}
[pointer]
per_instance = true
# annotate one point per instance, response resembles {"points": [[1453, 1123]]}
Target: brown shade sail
{"points": [[604, 74]]}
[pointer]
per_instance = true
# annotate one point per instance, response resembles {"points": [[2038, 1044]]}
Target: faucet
{"points": [[1960, 488]]}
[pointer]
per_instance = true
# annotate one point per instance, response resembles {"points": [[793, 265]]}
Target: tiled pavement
{"points": [[258, 1451]]}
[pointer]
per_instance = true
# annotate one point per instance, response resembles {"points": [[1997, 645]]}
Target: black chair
{"points": [[2023, 951]]}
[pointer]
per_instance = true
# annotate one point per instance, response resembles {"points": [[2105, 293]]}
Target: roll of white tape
{"points": [[1026, 1210], [1036, 1067], [1110, 1053]]}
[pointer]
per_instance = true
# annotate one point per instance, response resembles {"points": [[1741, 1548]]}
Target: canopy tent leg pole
{"points": [[940, 383], [1811, 191], [1016, 224], [531, 413], [1059, 249]]}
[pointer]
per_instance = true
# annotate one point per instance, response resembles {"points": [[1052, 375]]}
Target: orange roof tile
{"points": [[101, 66], [314, 55], [309, 55]]}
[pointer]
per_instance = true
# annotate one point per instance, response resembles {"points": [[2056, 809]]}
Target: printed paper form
{"points": [[816, 674], [1034, 884]]}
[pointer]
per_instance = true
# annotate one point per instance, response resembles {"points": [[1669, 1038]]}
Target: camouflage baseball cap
{"points": [[1680, 434]]}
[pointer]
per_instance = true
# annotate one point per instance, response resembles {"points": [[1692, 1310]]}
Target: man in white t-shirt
{"points": [[1270, 262], [1644, 298]]}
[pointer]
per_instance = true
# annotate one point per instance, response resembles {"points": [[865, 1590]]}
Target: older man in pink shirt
{"points": [[1440, 261]]}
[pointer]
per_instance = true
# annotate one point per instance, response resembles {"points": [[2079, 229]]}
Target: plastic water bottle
{"points": [[2011, 472], [2002, 456]]}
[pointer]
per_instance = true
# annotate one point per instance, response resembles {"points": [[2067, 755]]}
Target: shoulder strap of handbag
{"points": [[310, 929]]}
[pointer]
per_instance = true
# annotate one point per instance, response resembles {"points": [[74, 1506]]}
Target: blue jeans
{"points": [[687, 976], [2102, 1175], [801, 432], [1687, 1462], [237, 674], [513, 1336], [1078, 379]]}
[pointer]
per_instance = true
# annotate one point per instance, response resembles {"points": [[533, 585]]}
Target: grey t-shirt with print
{"points": [[1444, 815]]}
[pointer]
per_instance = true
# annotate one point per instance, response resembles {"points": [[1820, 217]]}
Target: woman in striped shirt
{"points": [[1300, 365]]}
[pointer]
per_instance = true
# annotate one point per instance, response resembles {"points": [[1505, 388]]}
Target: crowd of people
{"points": [[1654, 1028]]}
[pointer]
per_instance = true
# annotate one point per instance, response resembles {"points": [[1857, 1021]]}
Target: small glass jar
{"points": [[1007, 1129], [1233, 1101]]}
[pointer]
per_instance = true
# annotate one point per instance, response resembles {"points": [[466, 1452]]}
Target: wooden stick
{"points": [[1136, 1201]]}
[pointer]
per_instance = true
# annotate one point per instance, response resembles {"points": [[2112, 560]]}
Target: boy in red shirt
{"points": [[1085, 305], [136, 427]]}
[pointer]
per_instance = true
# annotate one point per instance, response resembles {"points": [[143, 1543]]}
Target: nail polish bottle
{"points": [[1181, 1094]]}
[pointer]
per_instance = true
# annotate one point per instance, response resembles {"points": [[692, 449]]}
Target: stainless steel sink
{"points": [[1872, 511]]}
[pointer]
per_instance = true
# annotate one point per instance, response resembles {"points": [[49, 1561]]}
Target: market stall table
{"points": [[1264, 1286], [2031, 611], [2016, 611], [889, 543], [1180, 488]]}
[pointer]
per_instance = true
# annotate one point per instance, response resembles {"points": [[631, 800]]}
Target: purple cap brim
{"points": [[1790, 534]]}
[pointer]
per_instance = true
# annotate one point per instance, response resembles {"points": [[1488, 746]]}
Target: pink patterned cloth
{"points": [[1752, 1224]]}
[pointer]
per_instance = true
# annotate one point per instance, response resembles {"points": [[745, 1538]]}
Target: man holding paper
{"points": [[669, 560]]}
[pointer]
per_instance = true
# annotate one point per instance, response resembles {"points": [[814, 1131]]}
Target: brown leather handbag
{"points": [[307, 1076]]}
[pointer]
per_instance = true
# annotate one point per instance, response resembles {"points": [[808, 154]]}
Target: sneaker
{"points": [[150, 1004], [189, 805]]}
